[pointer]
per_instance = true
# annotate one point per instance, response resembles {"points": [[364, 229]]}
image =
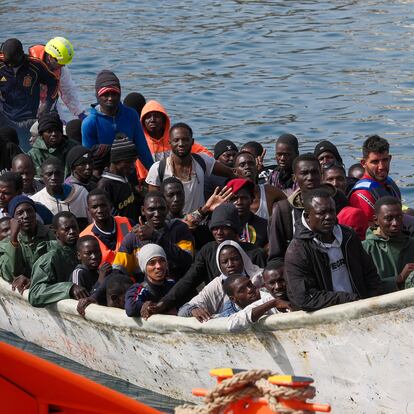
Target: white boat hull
{"points": [[359, 353]]}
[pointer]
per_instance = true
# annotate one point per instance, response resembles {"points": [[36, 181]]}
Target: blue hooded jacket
{"points": [[98, 128]]}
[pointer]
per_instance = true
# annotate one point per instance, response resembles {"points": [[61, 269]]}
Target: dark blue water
{"points": [[247, 70]]}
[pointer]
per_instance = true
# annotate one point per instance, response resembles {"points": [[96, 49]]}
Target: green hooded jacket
{"points": [[389, 255], [40, 152], [51, 275], [16, 261]]}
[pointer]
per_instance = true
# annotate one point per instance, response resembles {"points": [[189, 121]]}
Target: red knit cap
{"points": [[238, 183]]}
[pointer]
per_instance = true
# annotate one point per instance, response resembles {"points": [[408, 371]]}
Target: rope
{"points": [[249, 384]]}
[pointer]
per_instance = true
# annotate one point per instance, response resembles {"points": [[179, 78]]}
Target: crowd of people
{"points": [[121, 207]]}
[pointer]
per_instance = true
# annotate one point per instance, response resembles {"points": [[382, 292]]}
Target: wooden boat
{"points": [[358, 353]]}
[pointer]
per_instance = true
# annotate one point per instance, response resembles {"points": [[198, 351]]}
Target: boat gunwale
{"points": [[168, 323]]}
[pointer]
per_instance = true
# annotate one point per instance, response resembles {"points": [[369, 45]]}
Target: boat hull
{"points": [[359, 353]]}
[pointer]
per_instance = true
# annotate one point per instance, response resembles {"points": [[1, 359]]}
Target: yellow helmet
{"points": [[61, 49]]}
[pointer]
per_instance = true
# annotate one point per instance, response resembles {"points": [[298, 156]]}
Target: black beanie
{"points": [[101, 155], [9, 134], [77, 155], [122, 149], [327, 146], [135, 101], [106, 80], [73, 130], [50, 120], [289, 139], [225, 214], [223, 146]]}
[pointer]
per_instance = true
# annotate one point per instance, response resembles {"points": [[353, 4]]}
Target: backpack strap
{"points": [[200, 161], [161, 169]]}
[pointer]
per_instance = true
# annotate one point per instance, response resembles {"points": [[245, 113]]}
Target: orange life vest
{"points": [[38, 51], [123, 226]]}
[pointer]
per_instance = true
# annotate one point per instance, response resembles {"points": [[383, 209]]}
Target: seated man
{"points": [[29, 240], [264, 195], [375, 182], [307, 176], [287, 149], [80, 165], [57, 196], [225, 225], [24, 165], [274, 282], [254, 228], [51, 272], [156, 126], [153, 262], [248, 303], [190, 169], [174, 237], [110, 117], [325, 263], [109, 230], [125, 201], [87, 273], [390, 248], [51, 142]]}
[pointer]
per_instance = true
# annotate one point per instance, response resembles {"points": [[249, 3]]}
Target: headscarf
{"points": [[253, 271], [148, 252]]}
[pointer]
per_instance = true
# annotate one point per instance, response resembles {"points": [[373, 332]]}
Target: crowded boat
{"points": [[121, 207]]}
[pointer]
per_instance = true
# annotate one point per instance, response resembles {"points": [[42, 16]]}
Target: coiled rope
{"points": [[249, 384]]}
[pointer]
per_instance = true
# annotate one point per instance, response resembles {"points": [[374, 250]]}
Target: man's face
{"points": [[125, 167], [336, 177], [109, 101], [156, 270], [181, 142], [7, 192], [244, 292], [377, 165], [222, 233], [83, 171], [390, 220], [155, 211], [89, 254], [154, 123], [52, 62], [26, 215], [175, 197], [322, 215], [307, 175], [245, 166], [230, 261], [52, 137], [274, 282], [99, 208], [242, 200], [67, 231], [53, 178], [326, 158], [26, 169], [285, 156], [14, 60], [5, 230], [227, 158]]}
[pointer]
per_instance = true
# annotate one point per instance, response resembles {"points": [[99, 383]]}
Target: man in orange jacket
{"points": [[156, 126]]}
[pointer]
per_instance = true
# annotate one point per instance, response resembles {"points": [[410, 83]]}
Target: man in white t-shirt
{"points": [[189, 168], [325, 263]]}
